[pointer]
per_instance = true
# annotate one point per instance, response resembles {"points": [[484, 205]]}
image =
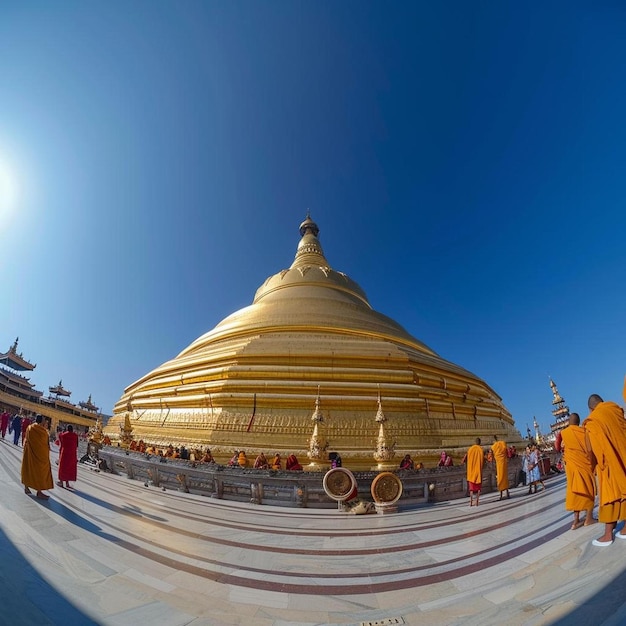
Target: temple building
{"points": [[309, 364], [19, 395]]}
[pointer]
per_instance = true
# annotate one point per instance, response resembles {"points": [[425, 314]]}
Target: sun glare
{"points": [[8, 192]]}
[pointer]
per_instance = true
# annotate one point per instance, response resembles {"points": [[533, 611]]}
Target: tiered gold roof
{"points": [[252, 382]]}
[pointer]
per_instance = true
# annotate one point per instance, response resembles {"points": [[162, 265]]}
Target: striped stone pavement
{"points": [[113, 551]]}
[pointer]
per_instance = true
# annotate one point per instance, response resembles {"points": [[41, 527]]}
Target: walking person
{"points": [[499, 449], [16, 428], [475, 459], [580, 494], [68, 456], [606, 430], [36, 469], [4, 422], [532, 473]]}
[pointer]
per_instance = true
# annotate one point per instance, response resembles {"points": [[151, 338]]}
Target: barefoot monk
{"points": [[581, 483], [36, 470], [606, 428]]}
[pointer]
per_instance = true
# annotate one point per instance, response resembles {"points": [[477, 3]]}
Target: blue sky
{"points": [[465, 163]]}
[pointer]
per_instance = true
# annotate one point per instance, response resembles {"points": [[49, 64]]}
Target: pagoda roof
{"points": [[14, 360], [89, 405], [59, 390], [16, 378]]}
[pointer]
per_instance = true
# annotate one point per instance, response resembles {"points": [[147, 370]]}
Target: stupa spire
{"points": [[309, 252]]}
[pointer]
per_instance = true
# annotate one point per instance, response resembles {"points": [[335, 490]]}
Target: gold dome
{"points": [[311, 335]]}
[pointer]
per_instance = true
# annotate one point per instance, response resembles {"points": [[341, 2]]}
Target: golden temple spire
{"points": [[309, 249]]}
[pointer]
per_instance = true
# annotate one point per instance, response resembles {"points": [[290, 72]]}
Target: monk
{"points": [[407, 463], [606, 431], [293, 464], [261, 462], [68, 457], [277, 463], [580, 494], [36, 470], [242, 459], [499, 449], [475, 459]]}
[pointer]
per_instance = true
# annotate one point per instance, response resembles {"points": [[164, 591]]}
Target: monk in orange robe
{"points": [[36, 469], [499, 449], [606, 430], [475, 458], [579, 470]]}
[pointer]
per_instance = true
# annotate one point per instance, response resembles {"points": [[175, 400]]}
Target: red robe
{"points": [[68, 459]]}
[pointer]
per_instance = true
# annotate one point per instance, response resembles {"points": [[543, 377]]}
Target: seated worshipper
{"points": [[36, 469], [107, 440], [261, 462], [234, 460], [207, 457], [448, 462], [169, 451], [242, 459], [277, 463], [442, 460], [406, 463], [419, 466], [335, 459], [293, 463], [133, 445]]}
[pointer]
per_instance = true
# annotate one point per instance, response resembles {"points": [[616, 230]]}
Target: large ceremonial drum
{"points": [[386, 488], [340, 484]]}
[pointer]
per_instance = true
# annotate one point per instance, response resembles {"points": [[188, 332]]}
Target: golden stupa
{"points": [[309, 367]]}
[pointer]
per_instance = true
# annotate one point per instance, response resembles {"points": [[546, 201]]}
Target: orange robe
{"points": [[475, 459], [581, 483], [606, 428], [36, 469], [502, 464]]}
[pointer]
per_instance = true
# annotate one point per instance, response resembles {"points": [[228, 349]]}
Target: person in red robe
{"points": [[68, 457], [4, 422], [292, 463], [26, 422]]}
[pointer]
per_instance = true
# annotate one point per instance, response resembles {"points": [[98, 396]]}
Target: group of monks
{"points": [[239, 459], [475, 461], [595, 463], [36, 472]]}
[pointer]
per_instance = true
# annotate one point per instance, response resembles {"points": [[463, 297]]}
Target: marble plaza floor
{"points": [[114, 552]]}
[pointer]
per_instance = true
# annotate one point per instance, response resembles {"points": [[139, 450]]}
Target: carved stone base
{"points": [[383, 507]]}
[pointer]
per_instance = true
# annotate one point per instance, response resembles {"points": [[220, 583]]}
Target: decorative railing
{"points": [[284, 488]]}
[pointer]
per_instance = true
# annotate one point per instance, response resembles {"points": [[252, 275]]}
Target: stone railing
{"points": [[287, 488]]}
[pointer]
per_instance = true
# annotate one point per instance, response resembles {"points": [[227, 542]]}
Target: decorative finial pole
{"points": [[316, 447], [383, 451]]}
